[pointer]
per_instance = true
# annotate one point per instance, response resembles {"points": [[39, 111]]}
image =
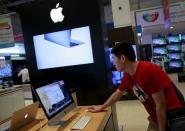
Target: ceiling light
{"points": [[171, 27], [139, 34]]}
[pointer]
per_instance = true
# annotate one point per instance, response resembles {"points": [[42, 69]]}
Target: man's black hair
{"points": [[123, 48]]}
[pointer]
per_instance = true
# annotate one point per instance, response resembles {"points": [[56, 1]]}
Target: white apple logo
{"points": [[56, 14]]}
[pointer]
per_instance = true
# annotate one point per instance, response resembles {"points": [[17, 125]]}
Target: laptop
{"points": [[63, 38], [23, 116]]}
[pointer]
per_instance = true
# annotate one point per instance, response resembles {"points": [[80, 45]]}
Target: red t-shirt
{"points": [[150, 79]]}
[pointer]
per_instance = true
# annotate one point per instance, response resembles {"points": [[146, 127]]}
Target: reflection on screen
{"points": [[53, 97]]}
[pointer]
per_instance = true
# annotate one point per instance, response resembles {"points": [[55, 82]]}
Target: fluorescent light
{"points": [[139, 34], [171, 27], [15, 55]]}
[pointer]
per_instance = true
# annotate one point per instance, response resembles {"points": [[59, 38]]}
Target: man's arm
{"points": [[113, 98], [20, 73], [159, 100]]}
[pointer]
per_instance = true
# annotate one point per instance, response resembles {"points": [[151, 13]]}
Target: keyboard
{"points": [[81, 123]]}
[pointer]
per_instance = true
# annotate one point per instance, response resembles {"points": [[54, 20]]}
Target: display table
{"points": [[101, 121], [11, 99]]}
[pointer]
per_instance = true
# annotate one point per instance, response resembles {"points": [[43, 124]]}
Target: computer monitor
{"points": [[174, 39], [174, 56], [64, 48], [5, 68], [116, 78], [159, 41], [175, 64], [160, 50], [135, 50], [55, 101], [174, 48]]}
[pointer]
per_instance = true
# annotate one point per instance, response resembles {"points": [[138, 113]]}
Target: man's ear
{"points": [[122, 58]]}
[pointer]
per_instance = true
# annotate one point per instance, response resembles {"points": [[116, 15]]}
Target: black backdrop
{"points": [[93, 81]]}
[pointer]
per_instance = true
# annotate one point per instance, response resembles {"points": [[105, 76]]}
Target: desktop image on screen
{"points": [[159, 41], [55, 100], [174, 56], [117, 77], [175, 64], [174, 47], [183, 37], [173, 39], [63, 48], [5, 68], [160, 50]]}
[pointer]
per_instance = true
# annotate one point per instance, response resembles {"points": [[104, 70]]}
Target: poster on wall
{"points": [[6, 32], [150, 17], [155, 16]]}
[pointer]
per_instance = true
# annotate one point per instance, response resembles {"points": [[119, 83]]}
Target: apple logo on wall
{"points": [[56, 14]]}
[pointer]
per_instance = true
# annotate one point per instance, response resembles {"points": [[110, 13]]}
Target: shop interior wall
{"points": [[92, 81]]}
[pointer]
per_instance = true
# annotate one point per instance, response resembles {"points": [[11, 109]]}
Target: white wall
{"points": [[148, 3], [146, 39], [121, 16]]}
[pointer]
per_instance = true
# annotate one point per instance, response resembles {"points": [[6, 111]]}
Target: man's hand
{"points": [[95, 109]]}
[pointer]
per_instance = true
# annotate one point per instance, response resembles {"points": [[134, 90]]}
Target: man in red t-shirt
{"points": [[148, 82]]}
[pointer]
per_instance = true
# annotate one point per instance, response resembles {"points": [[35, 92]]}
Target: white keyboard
{"points": [[81, 123]]}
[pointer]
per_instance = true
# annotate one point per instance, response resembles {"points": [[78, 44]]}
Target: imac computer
{"points": [[55, 101]]}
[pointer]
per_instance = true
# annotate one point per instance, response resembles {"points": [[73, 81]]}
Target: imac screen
{"points": [[63, 48], [5, 68], [54, 97]]}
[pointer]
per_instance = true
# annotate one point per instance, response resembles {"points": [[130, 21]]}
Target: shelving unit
{"points": [[175, 54], [167, 53]]}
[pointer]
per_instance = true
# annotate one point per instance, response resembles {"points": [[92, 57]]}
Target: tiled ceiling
{"points": [[135, 4], [140, 4]]}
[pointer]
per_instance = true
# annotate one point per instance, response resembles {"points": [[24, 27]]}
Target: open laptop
{"points": [[63, 38], [23, 116]]}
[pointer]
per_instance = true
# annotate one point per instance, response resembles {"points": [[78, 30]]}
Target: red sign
{"points": [[166, 12]]}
